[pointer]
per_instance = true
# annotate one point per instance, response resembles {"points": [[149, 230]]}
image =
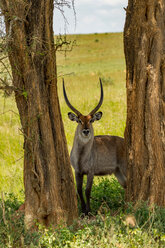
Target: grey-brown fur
{"points": [[101, 155]]}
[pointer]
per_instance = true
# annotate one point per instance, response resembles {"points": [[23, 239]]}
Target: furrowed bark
{"points": [[144, 44]]}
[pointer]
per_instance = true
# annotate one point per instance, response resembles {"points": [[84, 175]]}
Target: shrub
{"points": [[108, 228]]}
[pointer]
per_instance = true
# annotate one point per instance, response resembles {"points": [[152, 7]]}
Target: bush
{"points": [[106, 227], [12, 229], [107, 194]]}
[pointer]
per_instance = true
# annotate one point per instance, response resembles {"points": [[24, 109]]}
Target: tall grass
{"points": [[81, 70], [93, 56], [11, 147]]}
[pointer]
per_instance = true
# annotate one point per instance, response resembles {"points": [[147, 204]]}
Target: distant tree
{"points": [[49, 186], [144, 45]]}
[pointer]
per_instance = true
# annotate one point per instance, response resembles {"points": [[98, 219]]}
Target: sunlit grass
{"points": [[11, 151], [94, 56]]}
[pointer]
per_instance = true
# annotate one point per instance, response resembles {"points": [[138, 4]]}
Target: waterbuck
{"points": [[94, 155]]}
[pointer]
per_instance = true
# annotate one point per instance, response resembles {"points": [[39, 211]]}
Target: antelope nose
{"points": [[86, 132]]}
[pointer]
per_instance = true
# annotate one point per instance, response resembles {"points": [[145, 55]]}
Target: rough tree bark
{"points": [[144, 44], [49, 186]]}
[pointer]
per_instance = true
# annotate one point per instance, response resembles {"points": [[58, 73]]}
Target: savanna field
{"points": [[92, 56]]}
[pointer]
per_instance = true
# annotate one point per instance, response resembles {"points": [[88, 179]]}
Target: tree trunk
{"points": [[49, 186], [144, 44]]}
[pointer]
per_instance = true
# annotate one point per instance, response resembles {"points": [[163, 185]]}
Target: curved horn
{"points": [[100, 102], [68, 103]]}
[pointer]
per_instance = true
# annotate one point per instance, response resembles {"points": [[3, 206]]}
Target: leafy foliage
{"points": [[107, 194], [106, 227]]}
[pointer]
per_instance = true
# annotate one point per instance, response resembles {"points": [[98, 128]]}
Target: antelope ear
{"points": [[72, 117], [97, 116]]}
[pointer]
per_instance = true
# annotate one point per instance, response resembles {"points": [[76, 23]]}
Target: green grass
{"points": [[108, 229], [81, 70], [93, 56], [11, 148]]}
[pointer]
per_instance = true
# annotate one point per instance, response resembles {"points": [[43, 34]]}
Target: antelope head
{"points": [[85, 129]]}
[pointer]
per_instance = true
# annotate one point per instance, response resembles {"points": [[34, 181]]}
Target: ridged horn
{"points": [[68, 103], [100, 102]]}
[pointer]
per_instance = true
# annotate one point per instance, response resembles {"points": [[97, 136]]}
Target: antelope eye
{"points": [[80, 121], [91, 120]]}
